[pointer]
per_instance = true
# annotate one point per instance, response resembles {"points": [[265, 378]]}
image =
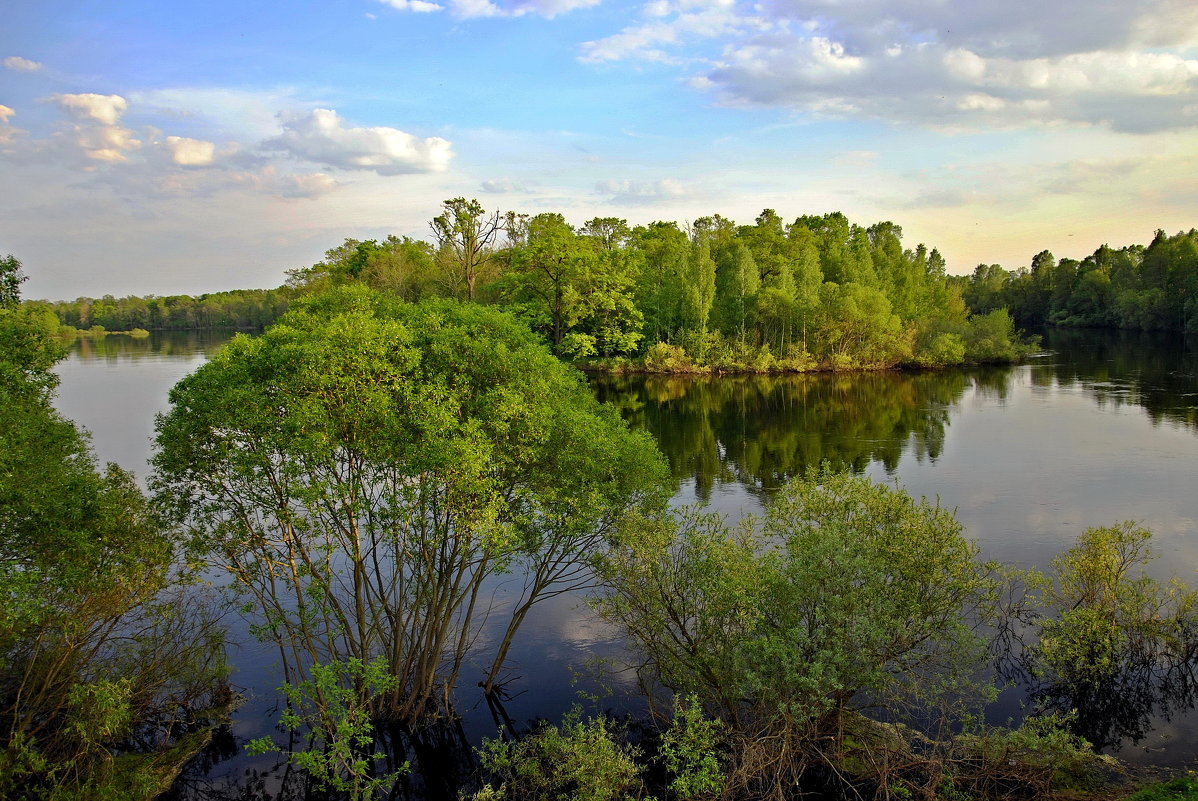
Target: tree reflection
{"points": [[762, 430], [1158, 372]]}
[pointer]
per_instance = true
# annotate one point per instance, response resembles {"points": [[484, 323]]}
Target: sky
{"points": [[185, 147]]}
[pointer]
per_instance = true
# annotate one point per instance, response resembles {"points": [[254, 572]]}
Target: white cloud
{"points": [[190, 152], [307, 185], [320, 137], [481, 9], [106, 109], [1127, 66], [629, 191], [108, 143], [8, 133], [97, 132], [690, 21], [418, 6], [18, 64], [239, 114]]}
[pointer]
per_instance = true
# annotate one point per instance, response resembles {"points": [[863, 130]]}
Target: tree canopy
{"points": [[364, 467]]}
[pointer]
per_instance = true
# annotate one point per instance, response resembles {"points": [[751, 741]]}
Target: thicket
{"points": [[840, 646]]}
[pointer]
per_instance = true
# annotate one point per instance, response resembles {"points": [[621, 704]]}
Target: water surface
{"points": [[1101, 428]]}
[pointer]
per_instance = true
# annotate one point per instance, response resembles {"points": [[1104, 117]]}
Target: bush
{"points": [[666, 358], [580, 760], [849, 594]]}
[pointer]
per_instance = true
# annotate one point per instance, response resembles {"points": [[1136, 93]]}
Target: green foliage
{"points": [[848, 594], [84, 571], [664, 358], [11, 278], [331, 709], [580, 760], [1152, 288], [991, 338], [690, 750], [1183, 788], [1104, 608], [364, 466]]}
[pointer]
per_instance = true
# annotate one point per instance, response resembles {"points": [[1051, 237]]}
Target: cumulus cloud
{"points": [[190, 152], [7, 132], [106, 109], [321, 137], [18, 64], [629, 191], [97, 131], [1128, 66]]}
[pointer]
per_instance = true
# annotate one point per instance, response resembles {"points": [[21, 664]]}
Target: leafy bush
{"points": [[849, 594], [580, 760], [665, 358]]}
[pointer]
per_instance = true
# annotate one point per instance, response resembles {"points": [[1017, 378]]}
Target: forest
{"points": [[1152, 288], [815, 293], [818, 292]]}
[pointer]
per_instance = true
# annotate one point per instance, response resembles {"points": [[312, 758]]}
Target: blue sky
{"points": [[190, 147]]}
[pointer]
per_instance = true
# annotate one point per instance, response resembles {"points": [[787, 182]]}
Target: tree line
{"points": [[241, 309], [1153, 288], [817, 292]]}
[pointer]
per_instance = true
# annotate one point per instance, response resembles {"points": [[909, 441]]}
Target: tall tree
{"points": [[467, 234]]}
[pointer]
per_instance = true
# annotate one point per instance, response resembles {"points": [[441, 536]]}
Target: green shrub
{"points": [[579, 760]]}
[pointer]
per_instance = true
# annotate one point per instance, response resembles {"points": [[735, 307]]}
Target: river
{"points": [[1101, 427]]}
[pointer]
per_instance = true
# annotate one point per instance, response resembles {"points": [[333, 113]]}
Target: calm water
{"points": [[1101, 428]]}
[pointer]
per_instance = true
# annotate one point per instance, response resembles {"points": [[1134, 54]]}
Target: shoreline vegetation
{"points": [[710, 296]]}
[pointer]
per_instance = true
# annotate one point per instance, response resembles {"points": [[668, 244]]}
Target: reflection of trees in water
{"points": [[1123, 705], [112, 347], [762, 430], [1158, 372]]}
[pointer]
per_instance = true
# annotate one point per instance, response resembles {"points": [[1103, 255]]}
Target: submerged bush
{"points": [[848, 595]]}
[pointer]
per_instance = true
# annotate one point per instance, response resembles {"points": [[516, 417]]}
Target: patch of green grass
{"points": [[1184, 788]]}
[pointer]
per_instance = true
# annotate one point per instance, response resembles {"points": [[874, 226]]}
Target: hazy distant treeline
{"points": [[240, 308], [1146, 288]]}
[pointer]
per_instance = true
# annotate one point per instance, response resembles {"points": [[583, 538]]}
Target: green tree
{"points": [[466, 235], [364, 467], [99, 658], [848, 595], [11, 278]]}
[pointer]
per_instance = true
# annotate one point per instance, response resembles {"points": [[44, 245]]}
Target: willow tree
{"points": [[365, 467]]}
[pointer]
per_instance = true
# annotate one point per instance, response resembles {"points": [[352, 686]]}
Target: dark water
{"points": [[1101, 428]]}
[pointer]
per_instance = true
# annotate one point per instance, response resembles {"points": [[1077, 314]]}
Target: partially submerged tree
{"points": [[367, 466], [848, 595]]}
